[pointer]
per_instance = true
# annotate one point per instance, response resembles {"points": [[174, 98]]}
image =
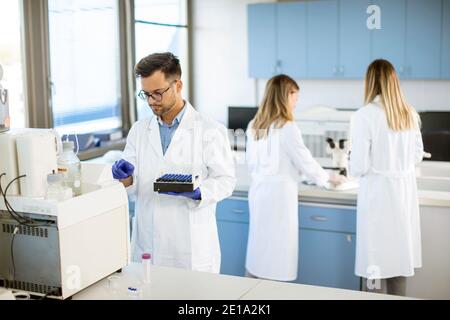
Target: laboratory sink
{"points": [[433, 184]]}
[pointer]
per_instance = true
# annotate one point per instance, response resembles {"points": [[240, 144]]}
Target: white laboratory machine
{"points": [[6, 295], [326, 133], [321, 122], [57, 248]]}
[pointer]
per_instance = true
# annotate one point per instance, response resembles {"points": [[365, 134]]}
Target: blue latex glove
{"points": [[194, 195], [122, 169]]}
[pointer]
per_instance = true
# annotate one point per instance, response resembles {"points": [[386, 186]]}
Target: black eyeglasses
{"points": [[156, 96]]}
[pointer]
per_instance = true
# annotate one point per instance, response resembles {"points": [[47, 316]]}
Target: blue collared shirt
{"points": [[167, 131]]}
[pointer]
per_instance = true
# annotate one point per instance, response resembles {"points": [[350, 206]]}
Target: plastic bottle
{"points": [[146, 263], [56, 189], [70, 166]]}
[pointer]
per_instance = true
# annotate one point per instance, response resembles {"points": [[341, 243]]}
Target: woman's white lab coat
{"points": [[388, 223], [177, 231], [275, 164]]}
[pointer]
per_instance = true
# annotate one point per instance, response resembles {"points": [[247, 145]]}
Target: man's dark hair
{"points": [[165, 62]]}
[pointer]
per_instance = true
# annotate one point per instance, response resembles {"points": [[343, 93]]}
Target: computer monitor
{"points": [[239, 117], [436, 134]]}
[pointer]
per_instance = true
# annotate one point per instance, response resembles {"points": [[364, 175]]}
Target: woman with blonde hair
{"points": [[276, 157], [386, 146]]}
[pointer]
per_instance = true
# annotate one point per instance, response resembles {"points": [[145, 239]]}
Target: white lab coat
{"points": [[388, 223], [275, 164], [178, 231]]}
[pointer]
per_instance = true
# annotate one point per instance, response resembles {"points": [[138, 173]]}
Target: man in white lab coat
{"points": [[178, 229]]}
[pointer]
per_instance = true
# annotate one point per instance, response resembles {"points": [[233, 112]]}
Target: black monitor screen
{"points": [[239, 117]]}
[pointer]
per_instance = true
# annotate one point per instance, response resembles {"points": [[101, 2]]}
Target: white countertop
{"points": [[173, 284], [314, 193], [272, 290], [180, 284]]}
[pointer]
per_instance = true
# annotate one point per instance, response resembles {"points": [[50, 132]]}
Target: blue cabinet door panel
{"points": [[291, 39], [445, 67], [354, 40], [326, 243], [389, 41], [423, 39], [233, 210], [322, 39], [327, 218], [262, 53], [233, 237], [327, 259]]}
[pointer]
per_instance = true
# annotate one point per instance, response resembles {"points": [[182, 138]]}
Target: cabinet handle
{"points": [[238, 211], [278, 67], [319, 218]]}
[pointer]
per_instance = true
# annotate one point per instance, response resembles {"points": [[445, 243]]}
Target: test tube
{"points": [[146, 267]]}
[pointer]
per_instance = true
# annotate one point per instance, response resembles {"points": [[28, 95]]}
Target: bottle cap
{"points": [[146, 256], [68, 146]]}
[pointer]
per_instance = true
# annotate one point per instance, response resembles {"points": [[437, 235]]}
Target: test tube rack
{"points": [[176, 183]]}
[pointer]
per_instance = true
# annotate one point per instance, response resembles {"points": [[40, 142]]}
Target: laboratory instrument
{"points": [[340, 153], [319, 122], [54, 248], [37, 153]]}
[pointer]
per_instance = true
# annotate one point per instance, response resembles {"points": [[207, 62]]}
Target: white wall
{"points": [[220, 70]]}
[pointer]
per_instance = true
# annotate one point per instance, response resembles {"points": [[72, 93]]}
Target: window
{"points": [[11, 60], [84, 65], [161, 26]]}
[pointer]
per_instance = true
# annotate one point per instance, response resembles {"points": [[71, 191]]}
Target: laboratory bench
{"points": [[180, 284], [327, 232], [433, 183]]}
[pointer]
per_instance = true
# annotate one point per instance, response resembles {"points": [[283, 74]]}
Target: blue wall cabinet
{"points": [[291, 39], [322, 39], [277, 39], [232, 225], [327, 247], [445, 67], [329, 39], [389, 42], [354, 38], [423, 39], [262, 40]]}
